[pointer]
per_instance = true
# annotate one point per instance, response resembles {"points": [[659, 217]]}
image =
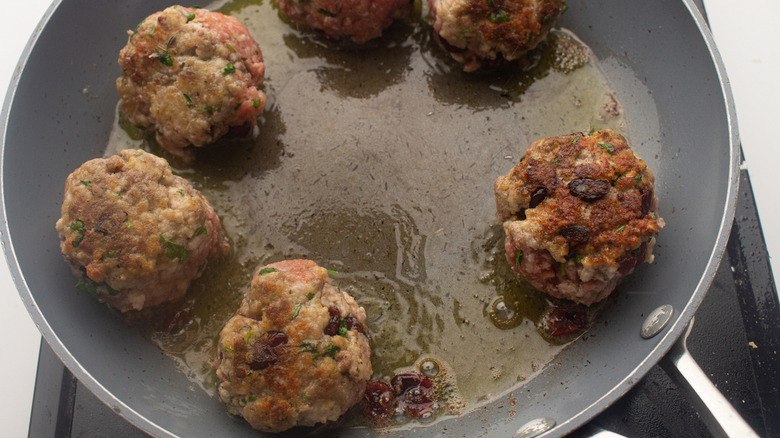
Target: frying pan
{"points": [[59, 113]]}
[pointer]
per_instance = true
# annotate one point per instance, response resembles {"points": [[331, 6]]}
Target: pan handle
{"points": [[715, 411]]}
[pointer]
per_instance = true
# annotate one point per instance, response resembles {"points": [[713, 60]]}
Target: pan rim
{"points": [[669, 338]]}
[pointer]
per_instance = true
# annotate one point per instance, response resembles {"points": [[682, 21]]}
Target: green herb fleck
{"points": [[546, 19], [135, 31], [251, 398], [638, 177], [266, 271], [562, 269], [173, 250], [229, 69], [619, 175], [331, 271], [208, 108], [77, 226], [228, 349], [491, 3], [229, 47], [201, 230], [165, 57], [310, 295], [326, 13], [88, 286], [110, 254], [521, 159], [310, 348], [331, 350], [190, 16], [498, 17], [111, 291], [607, 147], [304, 396], [343, 327], [565, 8], [86, 183], [248, 334], [620, 228], [576, 139], [187, 99], [578, 258], [180, 192], [256, 102], [297, 311], [555, 160], [518, 257]]}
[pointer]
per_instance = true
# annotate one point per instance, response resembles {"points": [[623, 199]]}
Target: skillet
{"points": [[60, 113]]}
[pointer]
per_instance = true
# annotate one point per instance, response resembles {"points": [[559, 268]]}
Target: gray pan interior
{"points": [[60, 110]]}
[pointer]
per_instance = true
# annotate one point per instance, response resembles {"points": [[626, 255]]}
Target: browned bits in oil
{"points": [[589, 190]]}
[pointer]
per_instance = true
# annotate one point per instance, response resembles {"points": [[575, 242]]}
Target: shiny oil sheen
{"points": [[377, 161]]}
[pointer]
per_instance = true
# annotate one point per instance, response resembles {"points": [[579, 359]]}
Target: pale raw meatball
{"points": [[580, 213], [360, 20], [296, 352], [477, 32], [133, 233], [191, 75]]}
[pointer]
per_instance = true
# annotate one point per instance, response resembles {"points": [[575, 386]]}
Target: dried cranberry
{"points": [[537, 197], [414, 392], [575, 235], [647, 200], [566, 319], [265, 351], [589, 190], [379, 402], [354, 324], [635, 259], [334, 321]]}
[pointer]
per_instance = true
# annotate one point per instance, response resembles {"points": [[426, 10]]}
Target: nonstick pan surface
{"points": [[658, 58]]}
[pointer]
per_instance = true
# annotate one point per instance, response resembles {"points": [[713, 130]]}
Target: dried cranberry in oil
{"points": [[414, 393], [379, 402], [566, 319], [575, 235], [537, 197], [334, 321]]}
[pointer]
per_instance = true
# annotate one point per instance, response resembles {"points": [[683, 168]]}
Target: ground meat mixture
{"points": [[360, 20], [191, 75], [296, 352], [489, 32], [134, 234], [580, 213]]}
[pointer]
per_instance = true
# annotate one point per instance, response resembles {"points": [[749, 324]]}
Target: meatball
{"points": [[579, 213], [134, 234], [191, 75], [477, 32], [296, 352], [361, 20]]}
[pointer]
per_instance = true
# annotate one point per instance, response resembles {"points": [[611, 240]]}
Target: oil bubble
{"points": [[429, 368], [502, 315]]}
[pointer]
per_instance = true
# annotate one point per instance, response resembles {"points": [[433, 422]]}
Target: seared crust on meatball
{"points": [[579, 212], [360, 20], [133, 233], [191, 75], [296, 352], [477, 32]]}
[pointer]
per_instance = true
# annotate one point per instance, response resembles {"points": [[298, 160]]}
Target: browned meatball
{"points": [[191, 75], [133, 233], [296, 352], [477, 32], [361, 20], [580, 213]]}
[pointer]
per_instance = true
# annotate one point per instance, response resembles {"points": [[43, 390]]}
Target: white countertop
{"points": [[746, 35]]}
